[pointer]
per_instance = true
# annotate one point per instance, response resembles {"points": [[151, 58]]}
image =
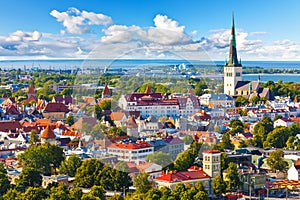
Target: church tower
{"points": [[232, 69]]}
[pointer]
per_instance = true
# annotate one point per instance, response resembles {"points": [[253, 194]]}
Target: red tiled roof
{"points": [[140, 145], [173, 140], [31, 89], [183, 176], [48, 133], [12, 110], [63, 99], [211, 151], [6, 126], [56, 107], [106, 90]]}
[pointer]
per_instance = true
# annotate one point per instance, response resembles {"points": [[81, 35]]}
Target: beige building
{"points": [[212, 162]]}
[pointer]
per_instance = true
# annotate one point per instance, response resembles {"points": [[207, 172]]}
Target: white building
{"points": [[131, 152], [154, 104], [212, 162], [149, 104], [283, 122], [217, 100]]}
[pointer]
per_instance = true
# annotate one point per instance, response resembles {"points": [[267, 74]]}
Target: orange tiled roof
{"points": [[48, 133], [117, 116], [43, 122]]}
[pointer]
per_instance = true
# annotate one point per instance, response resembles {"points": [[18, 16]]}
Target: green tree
{"points": [[184, 160], [160, 158], [12, 194], [34, 137], [4, 183], [200, 87], [178, 190], [70, 120], [261, 130], [122, 166], [98, 132], [224, 161], [97, 191], [166, 192], [88, 172], [86, 128], [141, 183], [189, 193], [290, 143], [70, 165], [60, 192], [232, 177], [29, 177], [188, 139], [33, 193], [242, 144], [226, 142], [276, 161], [201, 195], [3, 168], [277, 138], [277, 117], [116, 197], [218, 186], [235, 122], [105, 105], [75, 193], [42, 158], [241, 101], [254, 100], [154, 194]]}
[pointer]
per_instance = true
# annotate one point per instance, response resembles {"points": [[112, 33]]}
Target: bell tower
{"points": [[232, 69]]}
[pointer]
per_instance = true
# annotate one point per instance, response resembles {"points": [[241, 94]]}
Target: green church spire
{"points": [[233, 60]]}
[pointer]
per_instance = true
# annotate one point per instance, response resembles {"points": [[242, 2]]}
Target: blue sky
{"points": [[194, 29]]}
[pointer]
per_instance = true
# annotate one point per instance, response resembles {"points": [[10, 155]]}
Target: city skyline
{"points": [[151, 29]]}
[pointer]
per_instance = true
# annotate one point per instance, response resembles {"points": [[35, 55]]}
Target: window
{"points": [[238, 74]]}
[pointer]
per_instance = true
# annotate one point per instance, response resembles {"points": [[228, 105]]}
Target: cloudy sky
{"points": [[108, 29]]}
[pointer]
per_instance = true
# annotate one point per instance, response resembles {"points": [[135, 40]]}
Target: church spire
{"points": [[233, 60]]}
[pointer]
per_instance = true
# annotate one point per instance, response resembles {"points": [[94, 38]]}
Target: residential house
{"points": [[152, 169], [55, 111], [284, 122], [170, 179], [175, 146], [217, 100], [119, 118], [9, 126]]}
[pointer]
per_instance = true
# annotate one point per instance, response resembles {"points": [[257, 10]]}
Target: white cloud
{"points": [[123, 34], [77, 22], [165, 32], [166, 38]]}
